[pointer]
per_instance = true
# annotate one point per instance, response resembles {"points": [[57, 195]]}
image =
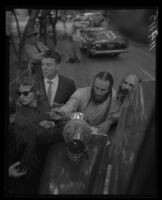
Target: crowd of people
{"points": [[42, 108], [43, 103]]}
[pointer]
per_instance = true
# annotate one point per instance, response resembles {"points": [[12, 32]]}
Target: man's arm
{"points": [[114, 111], [64, 112], [112, 115]]}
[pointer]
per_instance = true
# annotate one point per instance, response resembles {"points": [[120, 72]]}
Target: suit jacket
{"points": [[66, 88]]}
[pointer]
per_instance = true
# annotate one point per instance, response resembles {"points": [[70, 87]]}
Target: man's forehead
{"points": [[132, 79], [101, 83]]}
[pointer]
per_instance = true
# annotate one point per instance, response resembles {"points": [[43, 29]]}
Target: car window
{"points": [[110, 35]]}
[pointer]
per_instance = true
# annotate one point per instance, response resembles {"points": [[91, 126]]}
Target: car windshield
{"points": [[108, 35]]}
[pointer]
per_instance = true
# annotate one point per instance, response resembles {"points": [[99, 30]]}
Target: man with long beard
{"points": [[126, 86], [98, 103]]}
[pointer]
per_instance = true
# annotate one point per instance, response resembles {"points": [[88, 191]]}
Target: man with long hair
{"points": [[127, 84], [97, 102]]}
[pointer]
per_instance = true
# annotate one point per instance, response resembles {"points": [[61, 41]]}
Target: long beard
{"points": [[122, 93], [98, 99]]}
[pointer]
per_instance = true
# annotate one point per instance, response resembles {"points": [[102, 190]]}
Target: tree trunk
{"points": [[17, 23], [14, 46], [29, 26]]}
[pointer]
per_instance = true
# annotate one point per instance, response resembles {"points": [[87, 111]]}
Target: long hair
{"points": [[119, 96], [105, 76]]}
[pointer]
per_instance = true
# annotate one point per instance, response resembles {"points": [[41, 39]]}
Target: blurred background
{"points": [[139, 26]]}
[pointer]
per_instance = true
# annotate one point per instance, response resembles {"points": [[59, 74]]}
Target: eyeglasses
{"points": [[25, 93]]}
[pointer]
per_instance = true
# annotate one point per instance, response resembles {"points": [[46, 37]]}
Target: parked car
{"points": [[81, 24], [97, 41]]}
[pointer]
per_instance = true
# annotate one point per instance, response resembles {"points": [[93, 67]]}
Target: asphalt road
{"points": [[138, 60]]}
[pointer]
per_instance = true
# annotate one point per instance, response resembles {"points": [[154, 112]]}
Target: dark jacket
{"points": [[66, 88]]}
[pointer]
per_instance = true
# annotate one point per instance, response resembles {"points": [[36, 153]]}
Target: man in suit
{"points": [[57, 89]]}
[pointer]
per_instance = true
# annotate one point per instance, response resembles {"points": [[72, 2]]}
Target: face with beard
{"points": [[122, 93], [100, 91], [127, 85]]}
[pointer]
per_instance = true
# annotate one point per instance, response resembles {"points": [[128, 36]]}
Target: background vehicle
{"points": [[102, 41]]}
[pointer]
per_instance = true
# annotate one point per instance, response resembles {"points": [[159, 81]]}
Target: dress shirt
{"points": [[54, 87], [95, 113]]}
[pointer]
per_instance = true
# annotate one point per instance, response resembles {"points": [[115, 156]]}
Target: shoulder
{"points": [[66, 80], [61, 77], [83, 91]]}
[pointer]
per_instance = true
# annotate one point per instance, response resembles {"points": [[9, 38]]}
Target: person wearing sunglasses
{"points": [[31, 128]]}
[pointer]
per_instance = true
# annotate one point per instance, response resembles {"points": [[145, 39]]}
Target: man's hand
{"points": [[58, 105], [14, 171], [47, 124], [104, 127], [57, 114], [12, 118]]}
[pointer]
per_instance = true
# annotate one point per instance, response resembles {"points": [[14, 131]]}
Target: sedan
{"points": [[103, 42]]}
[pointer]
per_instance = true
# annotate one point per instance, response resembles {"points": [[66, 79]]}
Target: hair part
{"points": [[105, 76]]}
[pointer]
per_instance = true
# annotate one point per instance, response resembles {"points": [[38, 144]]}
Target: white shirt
{"points": [[54, 87]]}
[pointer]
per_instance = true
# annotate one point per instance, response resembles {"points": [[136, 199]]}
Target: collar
{"points": [[54, 80]]}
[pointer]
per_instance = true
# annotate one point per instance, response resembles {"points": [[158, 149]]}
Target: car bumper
{"points": [[97, 52]]}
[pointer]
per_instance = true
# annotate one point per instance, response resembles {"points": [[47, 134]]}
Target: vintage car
{"points": [[81, 24], [97, 41]]}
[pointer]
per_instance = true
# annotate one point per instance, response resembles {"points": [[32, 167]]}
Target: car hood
{"points": [[117, 40]]}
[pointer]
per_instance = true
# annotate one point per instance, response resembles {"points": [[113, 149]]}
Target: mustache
{"points": [[94, 96], [122, 93]]}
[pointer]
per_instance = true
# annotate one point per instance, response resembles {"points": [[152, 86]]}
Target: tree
{"points": [[22, 39]]}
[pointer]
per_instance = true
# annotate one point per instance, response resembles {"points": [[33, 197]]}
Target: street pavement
{"points": [[138, 60]]}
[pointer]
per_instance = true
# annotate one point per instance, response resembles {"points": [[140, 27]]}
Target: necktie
{"points": [[49, 92]]}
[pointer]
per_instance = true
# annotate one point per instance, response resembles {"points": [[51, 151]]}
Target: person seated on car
{"points": [[32, 129], [127, 84], [137, 113], [98, 103]]}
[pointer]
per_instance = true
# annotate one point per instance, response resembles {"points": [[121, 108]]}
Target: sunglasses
{"points": [[25, 93]]}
